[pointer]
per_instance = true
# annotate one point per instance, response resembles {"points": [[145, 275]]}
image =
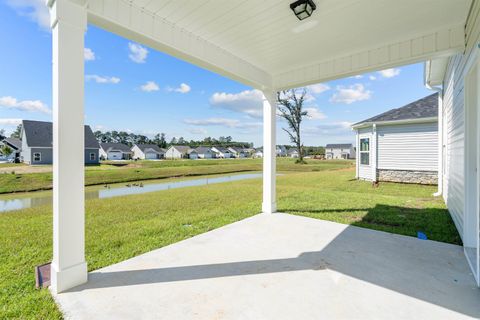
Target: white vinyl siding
{"points": [[454, 115], [408, 147]]}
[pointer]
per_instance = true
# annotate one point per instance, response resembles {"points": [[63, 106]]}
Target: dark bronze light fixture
{"points": [[303, 8]]}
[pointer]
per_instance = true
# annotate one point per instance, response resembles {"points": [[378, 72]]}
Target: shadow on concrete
{"points": [[427, 270]]}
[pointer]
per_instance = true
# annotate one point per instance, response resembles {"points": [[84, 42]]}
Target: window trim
{"points": [[367, 152], [94, 156], [35, 157]]}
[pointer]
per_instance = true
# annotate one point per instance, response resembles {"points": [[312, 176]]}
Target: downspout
{"points": [[440, 138]]}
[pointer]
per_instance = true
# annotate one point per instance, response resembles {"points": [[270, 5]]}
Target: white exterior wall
{"points": [[364, 171], [137, 153], [408, 147], [173, 153], [336, 153]]}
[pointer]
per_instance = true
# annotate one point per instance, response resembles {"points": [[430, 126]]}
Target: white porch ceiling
{"points": [[261, 43]]}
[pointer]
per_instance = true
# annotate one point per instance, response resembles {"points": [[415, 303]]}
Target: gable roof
{"points": [[339, 145], [109, 146], [222, 149], [40, 134], [424, 108], [182, 149], [203, 150], [154, 147], [13, 142]]}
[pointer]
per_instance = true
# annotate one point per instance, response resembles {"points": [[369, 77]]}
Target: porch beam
{"points": [[436, 44], [68, 23], [269, 204], [130, 21]]}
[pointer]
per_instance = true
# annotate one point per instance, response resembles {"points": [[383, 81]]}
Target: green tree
{"points": [[17, 133], [6, 150]]}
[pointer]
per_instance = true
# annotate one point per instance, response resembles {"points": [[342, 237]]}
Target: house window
{"points": [[365, 151], [92, 156], [37, 157]]}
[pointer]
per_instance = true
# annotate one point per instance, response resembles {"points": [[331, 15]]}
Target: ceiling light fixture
{"points": [[303, 8]]}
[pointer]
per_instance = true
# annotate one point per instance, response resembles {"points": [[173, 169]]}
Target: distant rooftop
{"points": [[339, 145], [423, 108]]}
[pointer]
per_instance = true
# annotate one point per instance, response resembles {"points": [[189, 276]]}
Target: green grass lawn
{"points": [[147, 170], [120, 228]]}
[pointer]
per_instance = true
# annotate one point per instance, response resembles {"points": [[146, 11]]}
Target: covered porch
{"points": [[263, 45], [283, 267]]}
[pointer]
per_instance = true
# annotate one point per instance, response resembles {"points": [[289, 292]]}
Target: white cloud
{"points": [[35, 10], [389, 73], [10, 122], [24, 105], [138, 53], [351, 94], [229, 123], [88, 54], [102, 79], [333, 128], [150, 86], [200, 131], [358, 76], [314, 113], [372, 78], [249, 102], [183, 88], [318, 88]]}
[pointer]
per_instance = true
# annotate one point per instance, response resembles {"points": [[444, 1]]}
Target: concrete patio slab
{"points": [[283, 267]]}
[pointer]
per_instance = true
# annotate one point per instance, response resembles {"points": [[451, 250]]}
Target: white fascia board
{"points": [[417, 48], [386, 123], [434, 71], [132, 22]]}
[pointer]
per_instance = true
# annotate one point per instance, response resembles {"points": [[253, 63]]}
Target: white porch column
{"points": [[68, 22], [269, 204], [373, 153]]}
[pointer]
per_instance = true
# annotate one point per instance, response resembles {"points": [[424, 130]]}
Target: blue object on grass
{"points": [[421, 235]]}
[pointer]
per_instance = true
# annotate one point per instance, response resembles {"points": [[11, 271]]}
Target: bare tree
{"points": [[290, 104]]}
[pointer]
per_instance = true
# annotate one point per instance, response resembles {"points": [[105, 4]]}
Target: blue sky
{"points": [[134, 88]]}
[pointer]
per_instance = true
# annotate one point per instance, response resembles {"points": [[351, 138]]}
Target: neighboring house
{"points": [[193, 154], [258, 153], [37, 139], [204, 153], [16, 146], [177, 152], [340, 151], [281, 151], [293, 153], [115, 151], [400, 145], [222, 152], [148, 152], [237, 152]]}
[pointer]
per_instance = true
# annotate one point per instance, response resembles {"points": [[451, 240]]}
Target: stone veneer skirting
{"points": [[408, 176]]}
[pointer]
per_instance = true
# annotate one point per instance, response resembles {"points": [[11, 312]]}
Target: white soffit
{"points": [[262, 43]]}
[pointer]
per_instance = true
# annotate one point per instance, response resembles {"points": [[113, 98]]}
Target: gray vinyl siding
{"points": [[46, 155], [408, 147], [87, 156]]}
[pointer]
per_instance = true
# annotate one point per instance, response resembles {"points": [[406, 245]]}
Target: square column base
{"points": [[68, 278], [269, 208]]}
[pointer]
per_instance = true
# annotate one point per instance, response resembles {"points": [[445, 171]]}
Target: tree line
{"points": [[160, 140]]}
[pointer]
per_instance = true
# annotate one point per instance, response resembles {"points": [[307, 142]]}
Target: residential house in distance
{"points": [[340, 151], [193, 154], [258, 153], [237, 152], [293, 153], [115, 151], [281, 151], [204, 152], [400, 145], [177, 152], [37, 139], [222, 152], [15, 145], [148, 152]]}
